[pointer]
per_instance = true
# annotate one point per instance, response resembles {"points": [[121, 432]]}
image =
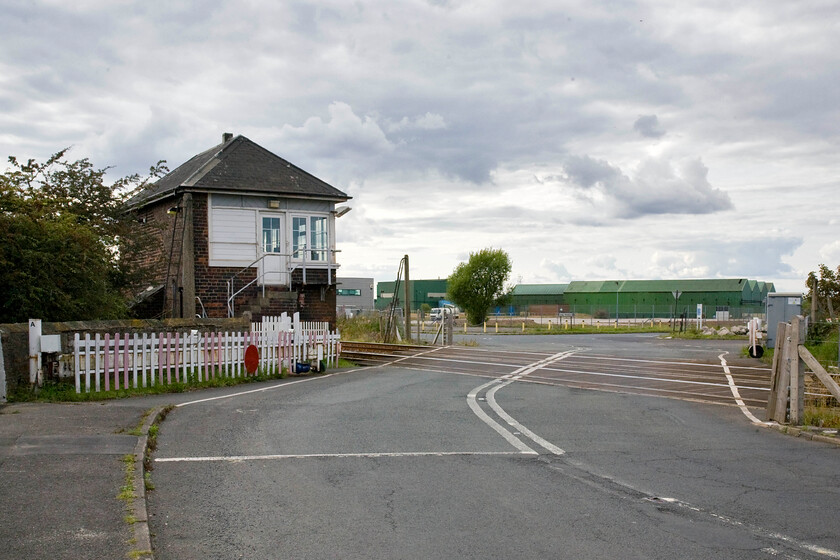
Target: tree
{"points": [[480, 282], [68, 241], [827, 297]]}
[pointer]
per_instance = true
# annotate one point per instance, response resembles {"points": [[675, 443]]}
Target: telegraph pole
{"points": [[407, 308]]}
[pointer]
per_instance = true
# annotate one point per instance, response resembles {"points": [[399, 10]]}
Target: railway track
{"points": [[375, 353]]}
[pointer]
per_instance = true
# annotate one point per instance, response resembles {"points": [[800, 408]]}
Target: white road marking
{"points": [[278, 386], [648, 378], [369, 455], [760, 531], [671, 363], [281, 385], [499, 383], [737, 395], [491, 400], [509, 437]]}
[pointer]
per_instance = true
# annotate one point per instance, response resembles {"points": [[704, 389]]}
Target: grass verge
{"points": [[65, 390]]}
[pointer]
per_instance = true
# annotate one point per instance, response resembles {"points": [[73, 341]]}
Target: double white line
{"points": [[504, 381]]}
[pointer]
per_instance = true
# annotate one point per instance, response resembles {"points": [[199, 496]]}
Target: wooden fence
{"points": [[114, 361], [787, 386]]}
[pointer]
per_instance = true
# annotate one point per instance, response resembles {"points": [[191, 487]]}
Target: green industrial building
{"points": [[421, 291], [721, 298], [733, 298], [535, 299]]}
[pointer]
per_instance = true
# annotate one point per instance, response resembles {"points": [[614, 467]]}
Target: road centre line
{"points": [[497, 384], [369, 455], [477, 410], [491, 400]]}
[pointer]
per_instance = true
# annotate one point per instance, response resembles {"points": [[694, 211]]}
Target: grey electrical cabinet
{"points": [[781, 308]]}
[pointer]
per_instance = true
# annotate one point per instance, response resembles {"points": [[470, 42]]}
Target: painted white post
{"points": [[88, 363], [145, 359], [35, 351], [77, 369], [97, 364]]}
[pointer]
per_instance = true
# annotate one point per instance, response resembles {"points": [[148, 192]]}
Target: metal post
{"points": [[617, 285], [408, 303], [676, 294]]}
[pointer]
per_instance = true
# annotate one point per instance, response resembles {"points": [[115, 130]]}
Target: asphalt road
{"points": [[496, 458]]}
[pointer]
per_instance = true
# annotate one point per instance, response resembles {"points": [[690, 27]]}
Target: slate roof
{"points": [[240, 166]]}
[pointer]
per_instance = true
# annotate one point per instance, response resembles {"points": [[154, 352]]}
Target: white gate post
{"points": [[35, 351]]}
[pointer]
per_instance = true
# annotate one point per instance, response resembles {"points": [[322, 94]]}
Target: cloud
{"points": [[438, 115], [429, 121], [343, 135], [648, 126], [557, 271], [657, 186], [751, 258], [830, 253]]}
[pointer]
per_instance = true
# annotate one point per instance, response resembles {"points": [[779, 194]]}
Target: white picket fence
{"points": [[114, 361]]}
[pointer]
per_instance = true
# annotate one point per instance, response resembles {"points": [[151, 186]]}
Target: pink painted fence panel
{"points": [[120, 361]]}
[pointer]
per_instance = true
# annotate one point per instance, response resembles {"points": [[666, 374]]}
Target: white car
{"points": [[437, 313]]}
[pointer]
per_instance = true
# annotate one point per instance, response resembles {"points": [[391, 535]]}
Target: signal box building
{"points": [[240, 229]]}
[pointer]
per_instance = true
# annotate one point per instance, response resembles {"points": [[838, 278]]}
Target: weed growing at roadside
{"points": [[147, 481], [821, 416], [126, 494]]}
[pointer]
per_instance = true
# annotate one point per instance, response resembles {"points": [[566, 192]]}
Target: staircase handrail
{"points": [[290, 267]]}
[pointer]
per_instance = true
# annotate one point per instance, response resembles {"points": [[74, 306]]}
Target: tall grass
{"points": [[360, 328]]}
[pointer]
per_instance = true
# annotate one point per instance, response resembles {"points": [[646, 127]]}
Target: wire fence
{"points": [[822, 340], [634, 314]]}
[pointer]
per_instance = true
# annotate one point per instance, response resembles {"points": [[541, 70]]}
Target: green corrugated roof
{"points": [[703, 285], [588, 286], [539, 289]]}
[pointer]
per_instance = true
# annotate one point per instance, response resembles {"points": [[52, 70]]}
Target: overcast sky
{"points": [[590, 140]]}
